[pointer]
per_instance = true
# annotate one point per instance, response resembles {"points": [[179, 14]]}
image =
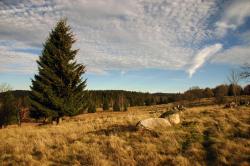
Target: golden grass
{"points": [[206, 136]]}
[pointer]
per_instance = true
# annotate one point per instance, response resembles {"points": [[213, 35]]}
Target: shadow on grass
{"points": [[114, 129], [211, 154]]}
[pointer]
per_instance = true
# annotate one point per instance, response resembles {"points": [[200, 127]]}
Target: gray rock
{"points": [[154, 124], [172, 116]]}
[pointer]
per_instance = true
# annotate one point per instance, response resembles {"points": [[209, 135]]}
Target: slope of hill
{"points": [[207, 135]]}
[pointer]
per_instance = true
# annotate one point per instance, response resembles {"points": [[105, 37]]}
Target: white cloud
{"points": [[234, 15], [13, 62], [202, 56], [115, 34], [238, 55]]}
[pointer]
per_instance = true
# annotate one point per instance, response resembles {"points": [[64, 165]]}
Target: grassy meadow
{"points": [[208, 135]]}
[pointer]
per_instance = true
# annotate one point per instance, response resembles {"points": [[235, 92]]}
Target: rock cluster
{"points": [[167, 119]]}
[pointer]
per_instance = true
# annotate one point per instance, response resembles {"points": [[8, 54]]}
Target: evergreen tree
{"points": [[105, 105], [125, 107], [116, 106], [58, 89], [8, 110], [91, 108]]}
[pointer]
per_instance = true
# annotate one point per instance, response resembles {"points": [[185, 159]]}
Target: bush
{"points": [[221, 90], [208, 93]]}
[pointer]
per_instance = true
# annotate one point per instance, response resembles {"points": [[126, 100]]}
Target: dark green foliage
{"points": [[130, 97], [162, 101], [105, 105], [91, 108], [58, 90], [116, 106], [125, 108], [148, 102], [8, 110]]}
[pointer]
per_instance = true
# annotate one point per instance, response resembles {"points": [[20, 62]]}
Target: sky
{"points": [[139, 45]]}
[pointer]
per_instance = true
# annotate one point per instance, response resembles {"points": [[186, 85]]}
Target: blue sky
{"points": [[141, 45]]}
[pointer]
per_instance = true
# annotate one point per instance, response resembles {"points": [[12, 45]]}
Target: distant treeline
{"points": [[15, 105], [131, 98], [140, 99], [128, 98]]}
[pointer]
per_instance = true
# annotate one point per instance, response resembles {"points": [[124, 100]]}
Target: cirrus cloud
{"points": [[202, 56]]}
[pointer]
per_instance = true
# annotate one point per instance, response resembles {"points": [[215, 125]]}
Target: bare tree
{"points": [[234, 78], [4, 87], [245, 74], [22, 109]]}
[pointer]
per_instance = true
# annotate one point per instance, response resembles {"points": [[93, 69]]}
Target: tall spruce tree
{"points": [[58, 88]]}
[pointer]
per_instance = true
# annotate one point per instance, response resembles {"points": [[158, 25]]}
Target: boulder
{"points": [[154, 124], [172, 116]]}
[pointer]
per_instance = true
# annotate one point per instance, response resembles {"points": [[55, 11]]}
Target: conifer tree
{"points": [[8, 110], [125, 107], [91, 108], [116, 106], [105, 105], [58, 88]]}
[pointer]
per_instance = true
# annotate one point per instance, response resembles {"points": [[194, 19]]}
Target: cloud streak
{"points": [[237, 55], [202, 57]]}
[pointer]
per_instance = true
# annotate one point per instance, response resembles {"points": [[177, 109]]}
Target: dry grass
{"points": [[206, 136]]}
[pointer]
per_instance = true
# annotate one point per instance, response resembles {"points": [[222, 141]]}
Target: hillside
{"points": [[207, 135]]}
